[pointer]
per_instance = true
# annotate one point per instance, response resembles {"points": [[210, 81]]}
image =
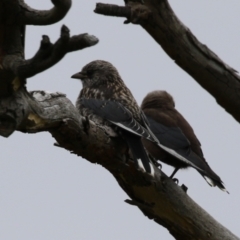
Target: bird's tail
{"points": [[139, 153], [214, 180]]}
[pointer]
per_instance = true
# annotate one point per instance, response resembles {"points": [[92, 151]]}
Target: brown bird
{"points": [[173, 131]]}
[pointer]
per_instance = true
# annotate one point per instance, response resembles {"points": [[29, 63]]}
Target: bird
{"points": [[106, 99], [173, 131]]}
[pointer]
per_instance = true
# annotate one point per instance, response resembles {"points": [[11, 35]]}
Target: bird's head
{"points": [[158, 99], [97, 73]]}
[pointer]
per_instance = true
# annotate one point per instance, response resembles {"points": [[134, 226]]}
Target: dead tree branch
{"points": [[32, 16], [159, 20], [48, 54], [13, 66], [154, 196]]}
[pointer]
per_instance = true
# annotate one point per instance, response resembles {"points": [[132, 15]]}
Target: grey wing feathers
{"points": [[132, 131], [117, 114], [173, 141], [120, 116], [171, 137]]}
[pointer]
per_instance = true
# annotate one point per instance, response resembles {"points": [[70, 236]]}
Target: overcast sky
{"points": [[48, 193]]}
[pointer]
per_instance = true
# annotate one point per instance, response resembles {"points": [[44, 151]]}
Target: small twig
{"points": [[48, 53], [113, 10], [81, 41], [136, 13], [138, 204]]}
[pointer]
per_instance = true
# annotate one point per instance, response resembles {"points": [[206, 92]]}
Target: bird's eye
{"points": [[89, 73]]}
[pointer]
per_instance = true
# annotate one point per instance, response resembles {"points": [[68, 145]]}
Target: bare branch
{"points": [[133, 15], [113, 10], [81, 41], [159, 20], [35, 17], [14, 69], [48, 53], [158, 197]]}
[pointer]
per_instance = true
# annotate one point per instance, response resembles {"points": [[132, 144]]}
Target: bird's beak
{"points": [[78, 75]]}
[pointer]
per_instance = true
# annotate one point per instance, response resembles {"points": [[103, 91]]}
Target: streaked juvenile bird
{"points": [[106, 99], [173, 131]]}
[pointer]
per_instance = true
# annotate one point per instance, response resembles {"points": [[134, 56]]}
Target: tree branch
{"points": [[48, 53], [14, 69], [113, 10], [159, 20], [158, 197], [35, 17]]}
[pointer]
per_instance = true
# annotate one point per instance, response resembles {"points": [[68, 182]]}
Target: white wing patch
{"points": [[152, 169], [209, 181], [126, 128], [140, 165]]}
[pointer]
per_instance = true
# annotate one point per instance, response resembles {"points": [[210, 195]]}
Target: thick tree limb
{"points": [[155, 197], [36, 17], [159, 20], [48, 54]]}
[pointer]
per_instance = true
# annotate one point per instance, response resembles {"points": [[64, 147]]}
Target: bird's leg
{"points": [[172, 175], [174, 172]]}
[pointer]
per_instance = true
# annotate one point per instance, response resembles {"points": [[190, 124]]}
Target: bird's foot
{"points": [[175, 180]]}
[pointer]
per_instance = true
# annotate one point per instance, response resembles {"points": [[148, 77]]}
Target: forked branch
{"points": [[48, 53]]}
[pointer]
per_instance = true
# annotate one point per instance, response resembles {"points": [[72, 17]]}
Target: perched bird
{"points": [[173, 131], [106, 99]]}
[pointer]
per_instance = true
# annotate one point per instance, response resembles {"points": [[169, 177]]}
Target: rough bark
{"points": [[14, 68], [12, 27], [158, 197], [159, 20]]}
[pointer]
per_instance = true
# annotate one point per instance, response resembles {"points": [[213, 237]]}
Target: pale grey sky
{"points": [[48, 193]]}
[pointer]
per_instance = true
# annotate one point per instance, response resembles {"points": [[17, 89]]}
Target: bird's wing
{"points": [[174, 138], [117, 114], [173, 141], [171, 137], [132, 132], [120, 116]]}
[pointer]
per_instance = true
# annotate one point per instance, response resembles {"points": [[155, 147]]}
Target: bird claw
{"points": [[175, 180]]}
